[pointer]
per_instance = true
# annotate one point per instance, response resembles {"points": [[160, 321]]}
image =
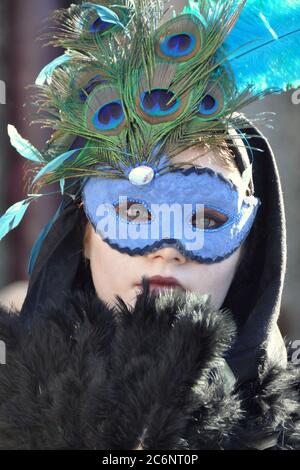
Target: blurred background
{"points": [[21, 58], [22, 55]]}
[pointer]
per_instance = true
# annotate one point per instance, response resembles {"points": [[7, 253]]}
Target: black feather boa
{"points": [[83, 376]]}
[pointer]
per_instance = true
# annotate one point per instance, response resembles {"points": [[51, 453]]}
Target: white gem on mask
{"points": [[141, 175]]}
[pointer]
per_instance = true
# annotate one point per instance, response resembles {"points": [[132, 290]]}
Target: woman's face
{"points": [[115, 273]]}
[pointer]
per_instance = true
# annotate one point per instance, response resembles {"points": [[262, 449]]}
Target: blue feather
{"points": [[39, 241], [54, 164], [62, 186], [264, 45], [46, 73], [14, 215], [104, 13], [23, 147]]}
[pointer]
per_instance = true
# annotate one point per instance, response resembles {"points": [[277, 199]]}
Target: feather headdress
{"points": [[131, 87]]}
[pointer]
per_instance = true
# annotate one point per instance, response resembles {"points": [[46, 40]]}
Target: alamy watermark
{"points": [[2, 353], [167, 221], [2, 92], [295, 359], [296, 97]]}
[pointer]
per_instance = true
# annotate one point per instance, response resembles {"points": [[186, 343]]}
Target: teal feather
{"points": [[55, 164], [104, 13], [14, 215], [263, 47], [46, 73], [62, 186], [23, 147]]}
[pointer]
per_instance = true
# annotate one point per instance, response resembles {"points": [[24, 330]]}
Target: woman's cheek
{"points": [[215, 279]]}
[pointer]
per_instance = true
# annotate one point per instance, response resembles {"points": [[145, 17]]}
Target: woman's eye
{"points": [[208, 219], [133, 211]]}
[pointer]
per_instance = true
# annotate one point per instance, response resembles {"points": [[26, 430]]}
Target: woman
{"points": [[155, 368]]}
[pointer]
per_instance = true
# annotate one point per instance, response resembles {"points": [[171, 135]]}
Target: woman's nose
{"points": [[168, 254]]}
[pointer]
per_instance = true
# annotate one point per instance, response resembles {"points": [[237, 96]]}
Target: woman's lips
{"points": [[159, 282]]}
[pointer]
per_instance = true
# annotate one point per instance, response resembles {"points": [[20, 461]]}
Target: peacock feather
{"points": [[131, 87], [136, 83]]}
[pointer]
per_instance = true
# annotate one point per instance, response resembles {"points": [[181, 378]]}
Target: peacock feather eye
{"points": [[86, 79], [99, 25], [159, 102], [208, 105], [109, 116], [93, 24], [213, 102], [180, 39], [87, 89], [178, 45], [104, 111]]}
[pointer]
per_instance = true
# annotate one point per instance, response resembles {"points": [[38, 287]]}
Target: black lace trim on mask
{"points": [[176, 244]]}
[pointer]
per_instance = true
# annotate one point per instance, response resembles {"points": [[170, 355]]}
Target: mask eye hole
{"points": [[208, 219], [133, 211]]}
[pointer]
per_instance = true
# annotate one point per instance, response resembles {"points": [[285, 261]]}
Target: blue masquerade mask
{"points": [[197, 210]]}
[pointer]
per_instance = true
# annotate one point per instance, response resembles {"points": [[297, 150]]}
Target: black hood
{"points": [[255, 293]]}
